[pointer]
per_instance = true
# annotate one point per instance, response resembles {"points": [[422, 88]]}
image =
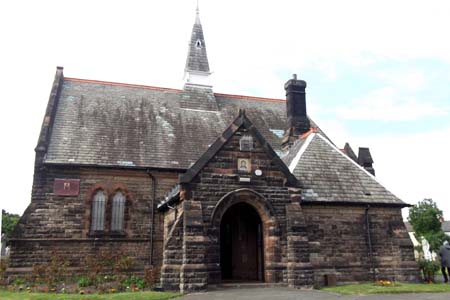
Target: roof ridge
{"points": [[156, 88], [300, 152], [253, 98], [148, 87]]}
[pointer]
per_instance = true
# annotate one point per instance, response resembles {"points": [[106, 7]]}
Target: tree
{"points": [[9, 222], [425, 218]]}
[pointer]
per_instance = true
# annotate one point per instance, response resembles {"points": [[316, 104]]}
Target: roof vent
{"points": [[246, 143]]}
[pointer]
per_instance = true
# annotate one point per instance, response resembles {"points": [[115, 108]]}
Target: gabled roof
{"points": [[115, 124], [328, 175], [240, 121]]}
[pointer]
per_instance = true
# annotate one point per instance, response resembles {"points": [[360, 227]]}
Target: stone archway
{"points": [[261, 231]]}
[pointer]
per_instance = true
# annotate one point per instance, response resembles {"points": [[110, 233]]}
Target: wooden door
{"points": [[241, 244]]}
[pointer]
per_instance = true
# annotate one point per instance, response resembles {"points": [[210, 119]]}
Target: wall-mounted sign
{"points": [[244, 165], [66, 187]]}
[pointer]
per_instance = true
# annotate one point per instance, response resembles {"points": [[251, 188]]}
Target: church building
{"points": [[206, 188]]}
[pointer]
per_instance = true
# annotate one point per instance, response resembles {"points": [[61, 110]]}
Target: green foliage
{"points": [[84, 281], [134, 281], [369, 288], [19, 281], [425, 218], [117, 296], [9, 222], [429, 269], [436, 239]]}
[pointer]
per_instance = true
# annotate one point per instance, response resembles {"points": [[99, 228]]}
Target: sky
{"points": [[378, 72]]}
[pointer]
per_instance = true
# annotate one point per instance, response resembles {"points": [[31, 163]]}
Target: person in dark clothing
{"points": [[444, 253]]}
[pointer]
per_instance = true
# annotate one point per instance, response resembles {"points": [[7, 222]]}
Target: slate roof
{"points": [[112, 124], [328, 175], [197, 59]]}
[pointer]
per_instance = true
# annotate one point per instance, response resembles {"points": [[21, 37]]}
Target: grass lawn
{"points": [[370, 288], [5, 295]]}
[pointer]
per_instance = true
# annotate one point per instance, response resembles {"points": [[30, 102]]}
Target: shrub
{"points": [[107, 266], [84, 282], [123, 264], [19, 281], [4, 262], [134, 281], [38, 274], [429, 269], [151, 276], [52, 272]]}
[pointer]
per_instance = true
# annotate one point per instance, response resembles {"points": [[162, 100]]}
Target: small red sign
{"points": [[66, 187]]}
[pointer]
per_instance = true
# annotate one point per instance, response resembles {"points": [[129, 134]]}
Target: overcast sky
{"points": [[378, 72]]}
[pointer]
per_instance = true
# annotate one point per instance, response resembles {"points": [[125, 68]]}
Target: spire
{"points": [[197, 15], [197, 71]]}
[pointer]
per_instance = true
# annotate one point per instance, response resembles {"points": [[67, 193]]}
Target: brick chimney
{"points": [[297, 119]]}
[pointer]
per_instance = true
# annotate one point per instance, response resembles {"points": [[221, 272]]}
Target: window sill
{"points": [[105, 234], [117, 234]]}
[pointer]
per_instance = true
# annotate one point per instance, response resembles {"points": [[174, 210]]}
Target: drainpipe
{"points": [[153, 213], [369, 240]]}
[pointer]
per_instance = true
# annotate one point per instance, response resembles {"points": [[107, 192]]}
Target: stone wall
{"points": [[61, 224], [207, 197], [339, 244]]}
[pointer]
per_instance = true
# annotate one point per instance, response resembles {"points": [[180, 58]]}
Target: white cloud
{"points": [[410, 80], [387, 104], [414, 166]]}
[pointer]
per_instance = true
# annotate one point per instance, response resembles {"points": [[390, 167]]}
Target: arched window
{"points": [[118, 212], [98, 211]]}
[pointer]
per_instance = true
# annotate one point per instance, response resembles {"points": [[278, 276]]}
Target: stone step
{"points": [[244, 285]]}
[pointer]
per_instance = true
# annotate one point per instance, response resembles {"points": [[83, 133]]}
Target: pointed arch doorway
{"points": [[241, 244]]}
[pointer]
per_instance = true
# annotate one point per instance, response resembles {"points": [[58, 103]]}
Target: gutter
{"points": [[114, 167], [369, 241], [153, 213]]}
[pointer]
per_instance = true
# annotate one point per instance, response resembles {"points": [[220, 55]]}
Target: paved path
{"points": [[294, 294]]}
